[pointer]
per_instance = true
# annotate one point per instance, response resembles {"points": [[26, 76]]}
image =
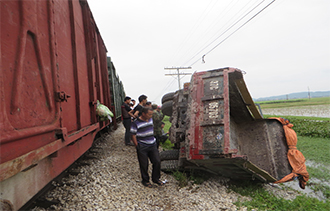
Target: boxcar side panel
{"points": [[84, 93], [28, 84], [66, 67], [54, 71], [90, 57]]}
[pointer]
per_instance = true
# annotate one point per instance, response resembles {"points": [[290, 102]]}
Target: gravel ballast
{"points": [[113, 182]]}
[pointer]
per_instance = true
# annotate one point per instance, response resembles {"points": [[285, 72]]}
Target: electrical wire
{"points": [[200, 19], [169, 83], [222, 13], [225, 32], [215, 34], [234, 31]]}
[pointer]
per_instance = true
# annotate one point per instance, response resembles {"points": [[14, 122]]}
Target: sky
{"points": [[283, 49]]}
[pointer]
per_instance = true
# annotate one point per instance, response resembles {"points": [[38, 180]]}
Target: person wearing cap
{"points": [[157, 118]]}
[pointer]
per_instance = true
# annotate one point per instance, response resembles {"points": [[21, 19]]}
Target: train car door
{"points": [[27, 76]]}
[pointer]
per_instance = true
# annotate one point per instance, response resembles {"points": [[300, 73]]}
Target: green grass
{"points": [[321, 119], [309, 126], [167, 145], [197, 176], [323, 188], [322, 173], [181, 177], [294, 103], [167, 122], [315, 149], [263, 200]]}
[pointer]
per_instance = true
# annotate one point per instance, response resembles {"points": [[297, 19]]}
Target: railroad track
{"points": [[41, 199]]}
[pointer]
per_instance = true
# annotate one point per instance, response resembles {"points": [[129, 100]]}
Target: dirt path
{"points": [[112, 182]]}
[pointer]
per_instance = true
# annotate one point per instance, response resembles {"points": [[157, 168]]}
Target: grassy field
{"points": [[294, 102]]}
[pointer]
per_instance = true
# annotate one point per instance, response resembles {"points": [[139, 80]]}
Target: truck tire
{"points": [[169, 155], [167, 97], [167, 108], [169, 165]]}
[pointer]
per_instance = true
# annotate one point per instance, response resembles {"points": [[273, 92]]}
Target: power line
{"points": [[166, 87], [197, 26], [235, 31], [225, 31], [202, 35], [178, 74], [193, 29], [223, 27]]}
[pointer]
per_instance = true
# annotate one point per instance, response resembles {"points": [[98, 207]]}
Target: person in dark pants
{"points": [[127, 113], [143, 137]]}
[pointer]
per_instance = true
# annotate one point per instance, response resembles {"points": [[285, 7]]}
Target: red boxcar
{"points": [[53, 69]]}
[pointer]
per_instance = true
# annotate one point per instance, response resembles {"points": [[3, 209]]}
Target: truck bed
{"points": [[222, 131]]}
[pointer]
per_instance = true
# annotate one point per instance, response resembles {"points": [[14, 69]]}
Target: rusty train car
{"points": [[53, 69]]}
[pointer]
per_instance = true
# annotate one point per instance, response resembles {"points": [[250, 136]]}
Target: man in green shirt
{"points": [[157, 118]]}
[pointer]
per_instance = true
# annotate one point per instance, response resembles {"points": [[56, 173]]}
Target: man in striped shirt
{"points": [[142, 131]]}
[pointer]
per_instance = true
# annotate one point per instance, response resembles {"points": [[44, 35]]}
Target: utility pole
{"points": [[178, 74]]}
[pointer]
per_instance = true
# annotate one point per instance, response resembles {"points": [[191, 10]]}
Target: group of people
{"points": [[143, 125]]}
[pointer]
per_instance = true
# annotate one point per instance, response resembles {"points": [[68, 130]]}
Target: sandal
{"points": [[147, 184], [159, 183]]}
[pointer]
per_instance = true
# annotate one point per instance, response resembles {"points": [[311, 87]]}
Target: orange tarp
{"points": [[295, 157]]}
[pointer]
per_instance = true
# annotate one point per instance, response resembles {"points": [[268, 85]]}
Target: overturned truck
{"points": [[217, 127]]}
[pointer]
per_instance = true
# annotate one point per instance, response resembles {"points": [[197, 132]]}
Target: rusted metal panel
{"points": [[64, 28], [226, 133], [18, 164], [208, 132], [27, 75], [264, 144], [19, 188], [52, 70], [82, 68]]}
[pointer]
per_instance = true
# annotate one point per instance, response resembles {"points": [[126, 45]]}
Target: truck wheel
{"points": [[169, 155], [169, 165], [167, 97], [167, 108]]}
